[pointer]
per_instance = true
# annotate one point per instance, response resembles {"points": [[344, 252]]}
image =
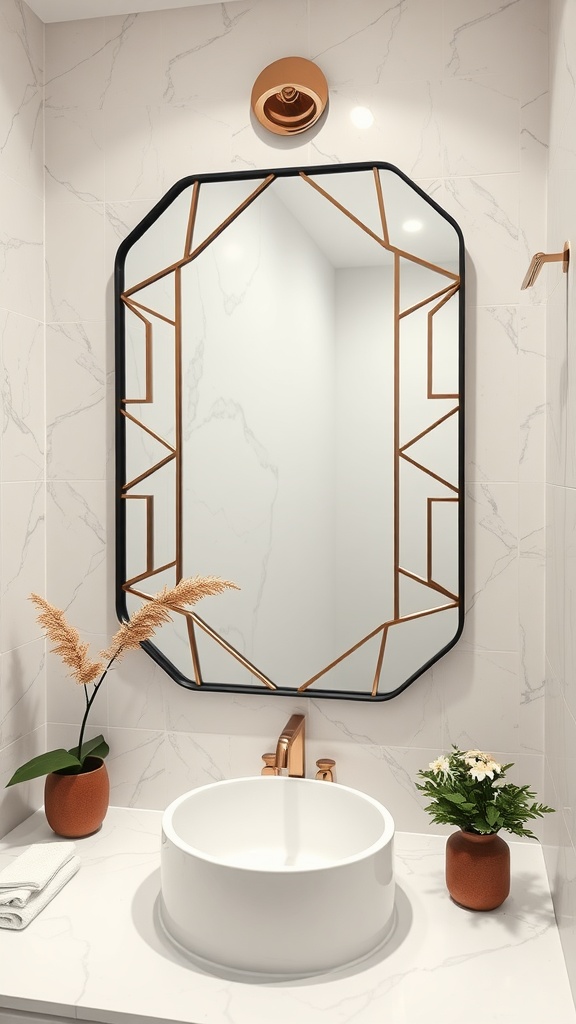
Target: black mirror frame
{"points": [[120, 423]]}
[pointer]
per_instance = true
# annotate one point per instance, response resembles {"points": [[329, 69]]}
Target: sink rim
{"points": [[169, 833]]}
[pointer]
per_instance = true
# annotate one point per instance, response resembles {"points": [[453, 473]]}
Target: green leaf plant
{"points": [[91, 674], [468, 788]]}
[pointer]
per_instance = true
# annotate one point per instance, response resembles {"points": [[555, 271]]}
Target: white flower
{"points": [[440, 766], [480, 772], [482, 761]]}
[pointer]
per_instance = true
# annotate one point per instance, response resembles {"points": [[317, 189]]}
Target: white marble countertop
{"points": [[96, 953]]}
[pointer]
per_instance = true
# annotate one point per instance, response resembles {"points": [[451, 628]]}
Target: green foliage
{"points": [[96, 747], [469, 789], [56, 760]]}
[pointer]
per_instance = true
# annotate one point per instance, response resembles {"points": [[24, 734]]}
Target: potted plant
{"points": [[77, 786], [468, 788]]}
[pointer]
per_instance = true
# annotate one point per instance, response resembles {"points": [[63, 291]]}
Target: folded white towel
{"points": [[32, 871], [19, 917]]}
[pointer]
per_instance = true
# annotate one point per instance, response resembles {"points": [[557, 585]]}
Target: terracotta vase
{"points": [[76, 805], [477, 870]]}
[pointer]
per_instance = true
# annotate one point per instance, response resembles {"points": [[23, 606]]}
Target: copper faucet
{"points": [[290, 747]]}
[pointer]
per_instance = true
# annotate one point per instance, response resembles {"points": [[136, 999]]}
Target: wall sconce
{"points": [[289, 95]]}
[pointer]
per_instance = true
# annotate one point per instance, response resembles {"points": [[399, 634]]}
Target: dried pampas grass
{"points": [[67, 642], [142, 626]]}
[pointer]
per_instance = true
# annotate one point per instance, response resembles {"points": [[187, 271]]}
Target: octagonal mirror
{"points": [[289, 416]]}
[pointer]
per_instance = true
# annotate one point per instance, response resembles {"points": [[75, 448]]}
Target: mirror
{"points": [[289, 416]]}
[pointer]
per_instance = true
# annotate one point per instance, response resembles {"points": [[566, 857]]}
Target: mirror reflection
{"points": [[289, 417]]}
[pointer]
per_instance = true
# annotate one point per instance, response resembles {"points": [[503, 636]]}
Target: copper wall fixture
{"points": [[538, 261], [289, 95]]}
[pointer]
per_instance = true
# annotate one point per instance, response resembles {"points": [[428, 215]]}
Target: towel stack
{"points": [[33, 879]]}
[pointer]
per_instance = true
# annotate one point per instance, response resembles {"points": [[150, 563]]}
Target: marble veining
{"points": [[107, 915]]}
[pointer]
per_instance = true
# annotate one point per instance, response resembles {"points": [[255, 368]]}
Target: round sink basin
{"points": [[277, 876]]}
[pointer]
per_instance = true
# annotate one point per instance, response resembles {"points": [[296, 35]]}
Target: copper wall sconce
{"points": [[289, 95], [538, 261]]}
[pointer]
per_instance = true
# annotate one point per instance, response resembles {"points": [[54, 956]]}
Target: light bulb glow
{"points": [[361, 117], [412, 226]]}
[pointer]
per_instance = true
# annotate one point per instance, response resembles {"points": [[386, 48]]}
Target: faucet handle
{"points": [[269, 765], [325, 766]]}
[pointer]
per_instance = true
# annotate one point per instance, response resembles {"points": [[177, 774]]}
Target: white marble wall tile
{"points": [[197, 760], [479, 119], [568, 555], [553, 823], [559, 386], [562, 70], [201, 47], [22, 554], [531, 614], [532, 392], [389, 774], [134, 61], [22, 390], [250, 148], [21, 249], [480, 696], [377, 41], [492, 567], [486, 208], [78, 581], [75, 267], [534, 152], [135, 687], [555, 578], [564, 296], [492, 393], [561, 217], [22, 672], [406, 133], [479, 35], [568, 769], [21, 127], [79, 428], [414, 718], [554, 745], [136, 765], [18, 802], [134, 144], [245, 714], [74, 153], [197, 138], [560, 858], [77, 63]]}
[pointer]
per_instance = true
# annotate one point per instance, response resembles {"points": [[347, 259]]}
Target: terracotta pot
{"points": [[477, 870], [76, 805]]}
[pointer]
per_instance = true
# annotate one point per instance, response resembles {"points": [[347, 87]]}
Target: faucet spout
{"points": [[290, 747]]}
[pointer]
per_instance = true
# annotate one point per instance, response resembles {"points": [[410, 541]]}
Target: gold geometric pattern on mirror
{"points": [[426, 497]]}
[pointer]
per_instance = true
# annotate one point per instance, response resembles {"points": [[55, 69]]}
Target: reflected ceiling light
{"points": [[233, 252], [412, 226], [361, 117]]}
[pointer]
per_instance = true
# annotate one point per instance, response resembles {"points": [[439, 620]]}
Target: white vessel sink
{"points": [[277, 876]]}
